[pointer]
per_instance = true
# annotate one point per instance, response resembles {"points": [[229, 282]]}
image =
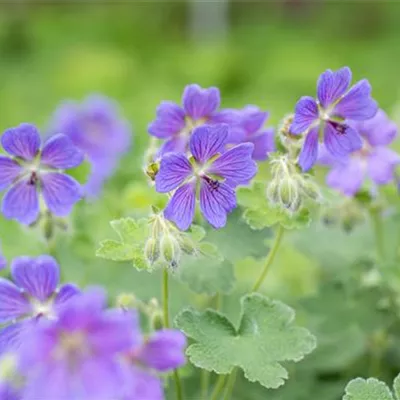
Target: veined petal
{"points": [[207, 141], [217, 199], [341, 140], [306, 113], [64, 294], [176, 144], [39, 276], [9, 171], [13, 304], [347, 178], [332, 85], [236, 165], [264, 144], [60, 152], [357, 103], [174, 169], [309, 152], [11, 337], [22, 141], [253, 119], [382, 163], [60, 192], [200, 103], [181, 206], [21, 202], [169, 121], [164, 350]]}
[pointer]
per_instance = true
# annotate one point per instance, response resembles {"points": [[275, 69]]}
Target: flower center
{"points": [[42, 309], [191, 124]]}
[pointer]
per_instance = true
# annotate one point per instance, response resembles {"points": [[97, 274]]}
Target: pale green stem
{"points": [[230, 385], [219, 386], [165, 296], [270, 258]]}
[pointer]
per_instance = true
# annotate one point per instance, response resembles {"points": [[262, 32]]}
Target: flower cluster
{"points": [[32, 172], [97, 129], [68, 345]]}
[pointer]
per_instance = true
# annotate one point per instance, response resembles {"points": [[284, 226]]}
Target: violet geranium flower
{"points": [[76, 356], [175, 124], [34, 295], [31, 171], [252, 124], [96, 127], [160, 352], [328, 117], [374, 160], [210, 172]]}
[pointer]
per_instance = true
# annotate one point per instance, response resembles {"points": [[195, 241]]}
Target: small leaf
{"points": [[206, 275], [116, 251], [370, 389], [265, 338]]}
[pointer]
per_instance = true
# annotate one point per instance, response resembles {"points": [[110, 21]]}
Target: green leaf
{"points": [[260, 214], [205, 275], [265, 337], [131, 235], [371, 389]]}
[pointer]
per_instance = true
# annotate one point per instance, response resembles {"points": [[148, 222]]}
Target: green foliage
{"points": [[371, 389], [81, 172], [260, 214], [265, 337]]}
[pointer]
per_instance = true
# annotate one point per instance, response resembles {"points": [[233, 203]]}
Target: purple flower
{"points": [[8, 392], [212, 174], [374, 160], [161, 352], [77, 355], [35, 294], [252, 125], [32, 171], [327, 117], [175, 124], [96, 127]]}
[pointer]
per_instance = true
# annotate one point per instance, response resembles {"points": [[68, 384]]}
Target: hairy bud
{"points": [[170, 250], [152, 250]]}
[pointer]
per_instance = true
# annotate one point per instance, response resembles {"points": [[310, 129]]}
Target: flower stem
{"points": [[378, 231], [165, 297], [270, 258], [230, 385], [219, 386]]}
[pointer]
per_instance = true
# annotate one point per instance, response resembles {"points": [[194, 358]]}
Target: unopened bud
{"points": [[126, 301], [170, 250], [311, 190], [152, 250], [152, 170], [289, 194], [187, 245], [273, 192]]}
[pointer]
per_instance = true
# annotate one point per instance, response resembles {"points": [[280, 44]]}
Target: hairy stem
{"points": [[270, 258], [165, 298]]}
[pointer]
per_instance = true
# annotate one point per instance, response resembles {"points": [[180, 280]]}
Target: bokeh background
{"points": [[267, 53]]}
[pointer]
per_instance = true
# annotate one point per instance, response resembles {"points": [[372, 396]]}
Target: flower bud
{"points": [[273, 192], [311, 190], [289, 194], [152, 170], [152, 250], [126, 301], [187, 245], [170, 250]]}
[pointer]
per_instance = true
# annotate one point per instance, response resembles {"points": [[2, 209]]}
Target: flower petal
{"points": [[142, 385], [309, 152], [341, 140], [181, 207], [60, 152], [169, 121], [306, 113], [217, 199], [21, 202], [12, 336], [379, 130], [60, 192], [174, 169], [333, 85], [264, 144], [9, 171], [347, 178], [13, 304], [357, 103], [177, 144], [22, 141], [39, 276], [64, 294], [164, 350], [236, 165], [253, 119], [200, 103], [207, 141], [382, 163]]}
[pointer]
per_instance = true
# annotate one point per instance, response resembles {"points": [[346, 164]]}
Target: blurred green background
{"points": [[264, 53]]}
